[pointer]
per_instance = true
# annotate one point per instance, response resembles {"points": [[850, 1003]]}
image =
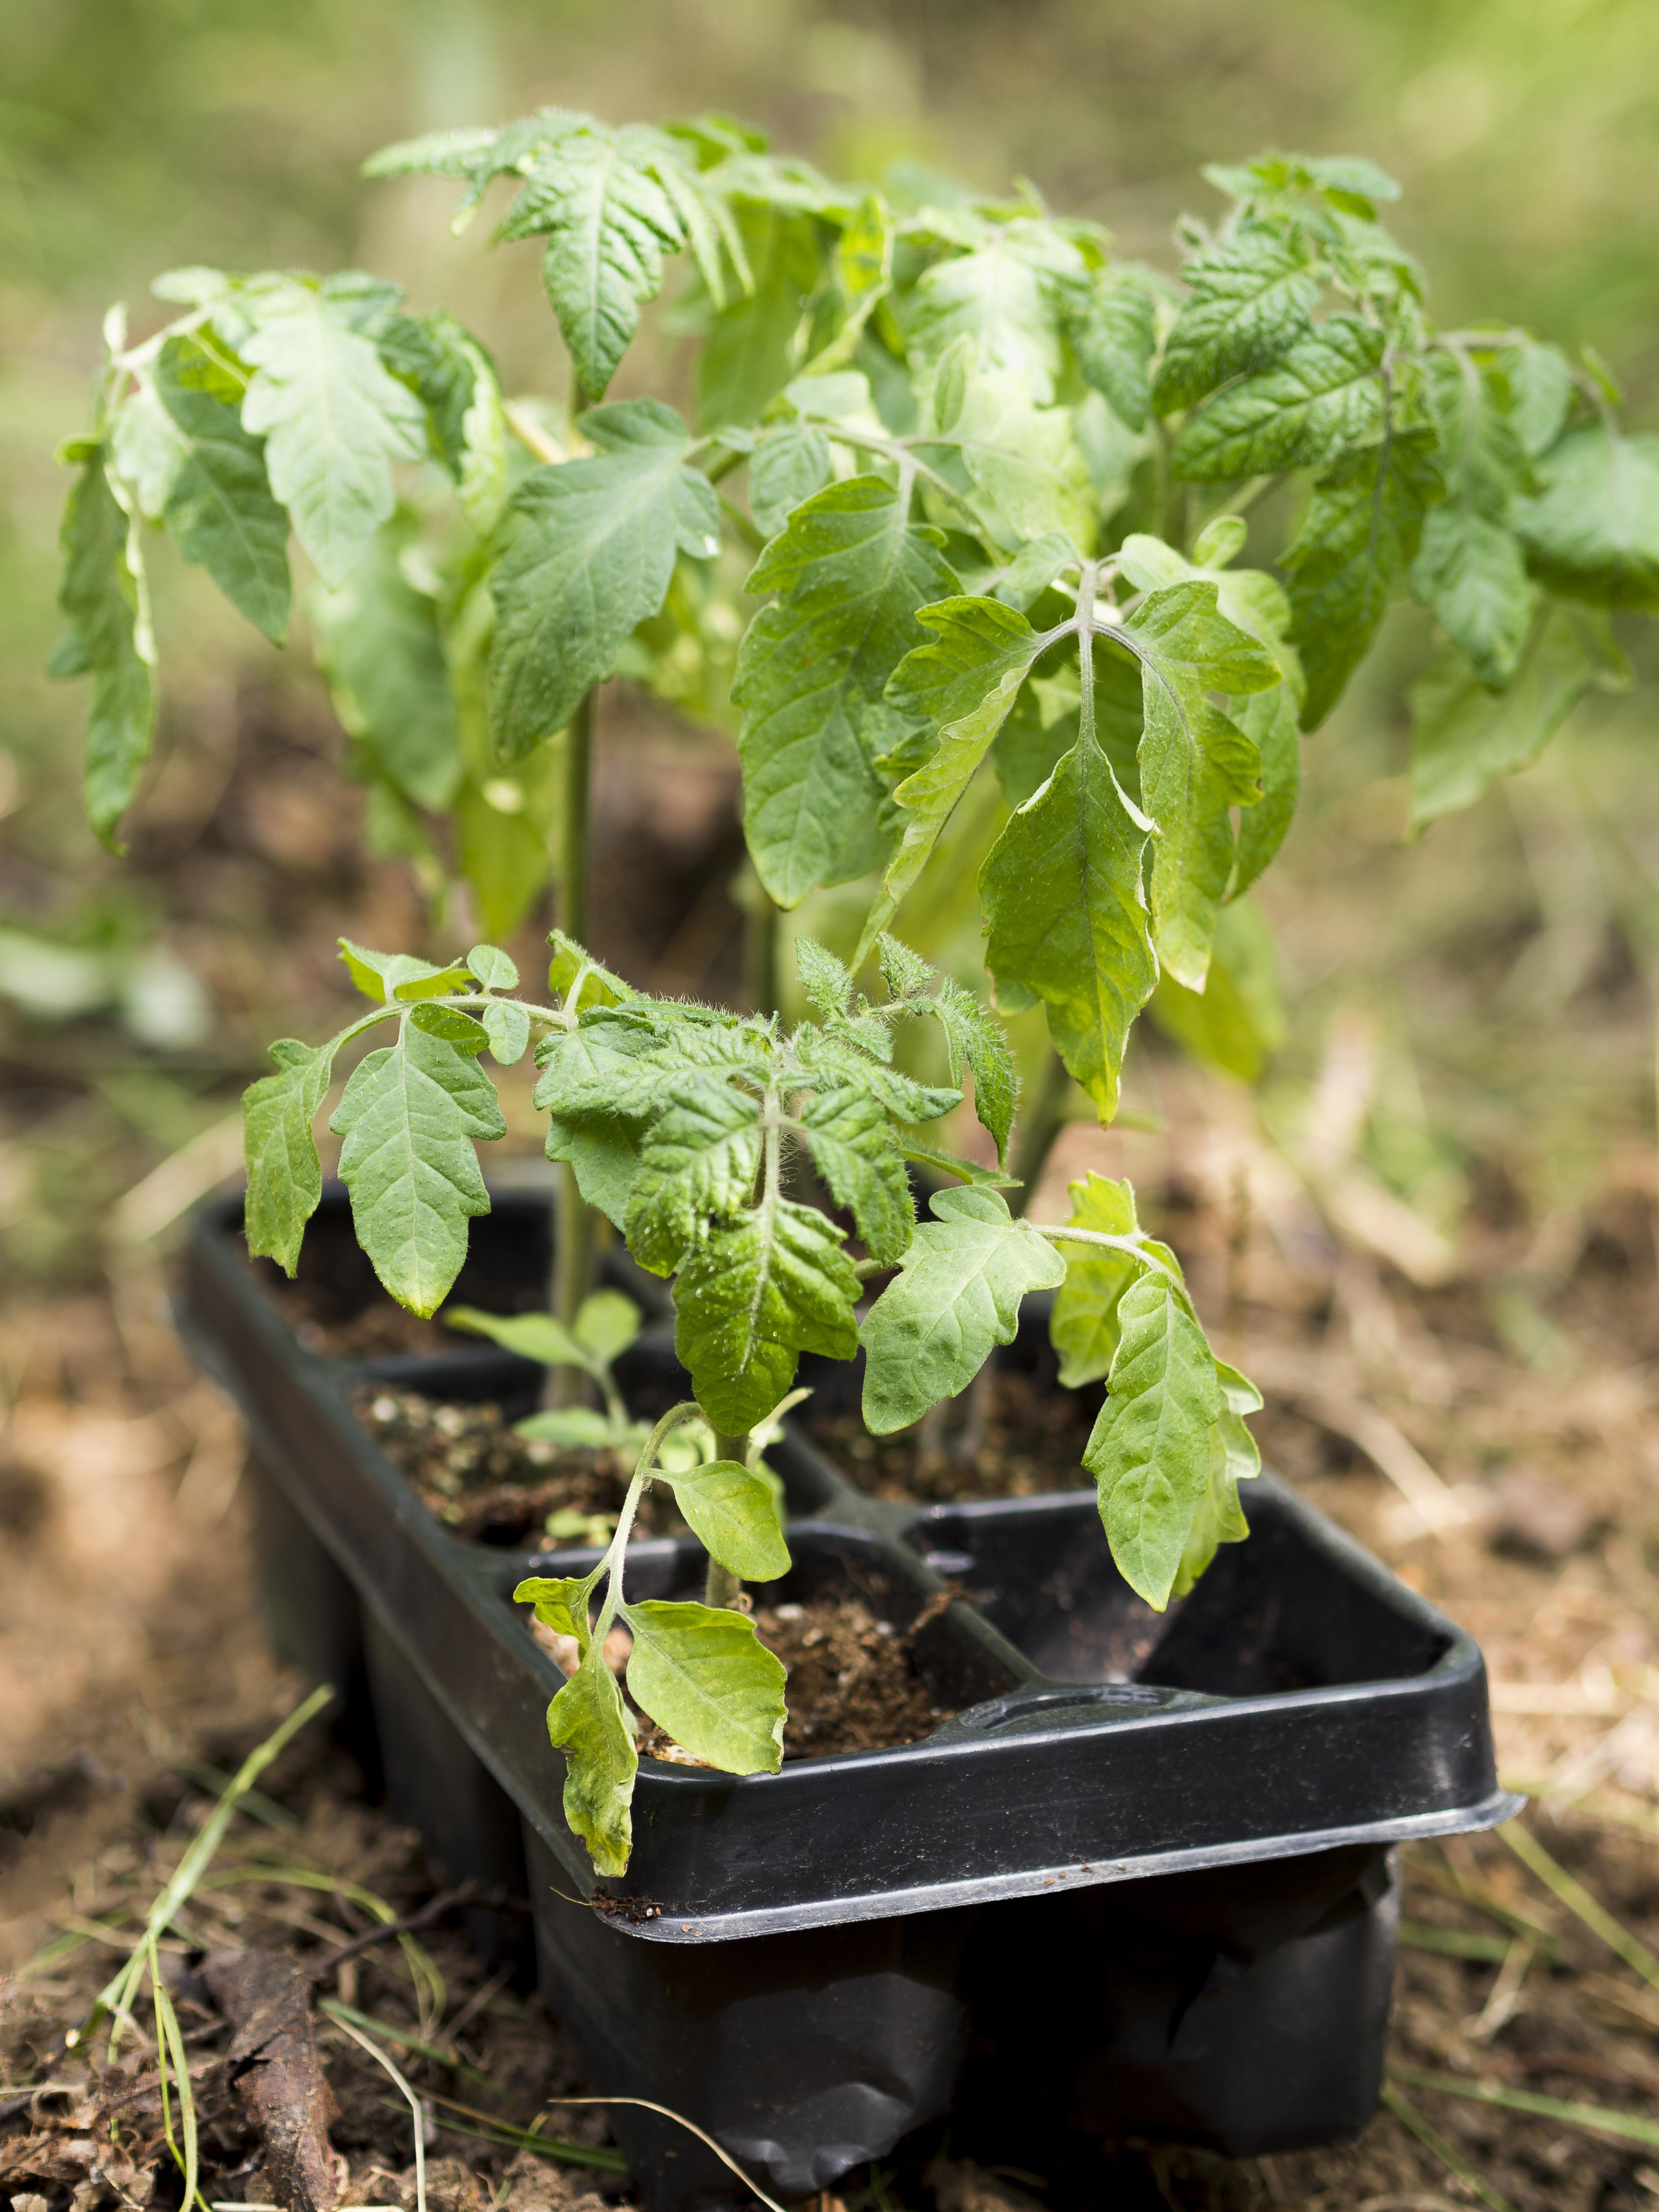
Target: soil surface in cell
{"points": [[489, 1486], [853, 1681], [1030, 1441], [337, 1326]]}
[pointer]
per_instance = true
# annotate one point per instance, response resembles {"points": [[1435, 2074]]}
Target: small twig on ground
{"points": [[275, 2069]]}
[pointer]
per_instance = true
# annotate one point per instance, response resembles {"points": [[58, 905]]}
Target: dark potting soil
{"points": [[336, 1327], [1031, 1442], [489, 1486]]}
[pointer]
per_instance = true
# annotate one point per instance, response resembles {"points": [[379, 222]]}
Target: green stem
{"points": [[1040, 1125], [721, 1586], [760, 949], [1171, 492], [573, 1258], [610, 1566]]}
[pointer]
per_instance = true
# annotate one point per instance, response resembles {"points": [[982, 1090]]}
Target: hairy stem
{"points": [[572, 1256], [760, 949], [610, 1566], [721, 1586]]}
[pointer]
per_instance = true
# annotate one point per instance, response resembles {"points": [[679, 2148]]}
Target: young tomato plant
{"points": [[1002, 639]]}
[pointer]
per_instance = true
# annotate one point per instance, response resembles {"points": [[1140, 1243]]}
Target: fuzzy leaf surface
{"points": [[409, 1115], [974, 1038], [1005, 297], [1109, 326], [382, 653], [957, 1295], [590, 558], [851, 573], [1471, 573], [701, 1672], [700, 1158], [847, 1130]]}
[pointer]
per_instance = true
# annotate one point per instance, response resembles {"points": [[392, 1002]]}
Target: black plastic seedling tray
{"points": [[1144, 1870]]}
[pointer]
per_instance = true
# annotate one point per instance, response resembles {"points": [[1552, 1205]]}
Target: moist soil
{"points": [[853, 1681], [381, 1329], [489, 1486], [1030, 1440]]}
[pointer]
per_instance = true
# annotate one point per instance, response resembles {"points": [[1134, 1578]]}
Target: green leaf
{"points": [[700, 1672], [1150, 1449], [1541, 394], [1359, 535], [588, 1723], [1067, 920], [1109, 325], [905, 973], [791, 463], [381, 651], [1196, 762], [561, 1601], [599, 196], [962, 684], [1324, 395], [855, 1155], [454, 380], [607, 1322], [751, 1297], [384, 976], [1017, 465], [108, 639], [409, 1115], [973, 1036], [700, 1158], [1272, 721], [1005, 298], [1237, 1021], [824, 979], [493, 968], [591, 556], [1465, 737], [333, 417], [750, 351], [957, 1295], [284, 1176], [1592, 532], [1234, 1458], [535, 1336], [1252, 296], [600, 988], [1083, 1327], [851, 572], [729, 1508], [1471, 574], [218, 503]]}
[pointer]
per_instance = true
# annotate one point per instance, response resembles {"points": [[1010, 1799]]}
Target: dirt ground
{"points": [[1522, 1497]]}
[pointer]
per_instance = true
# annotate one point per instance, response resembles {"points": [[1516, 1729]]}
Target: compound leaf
{"points": [[790, 463], [382, 653], [700, 1158], [1470, 572], [333, 417], [1083, 1327], [1005, 297], [851, 572], [1150, 1449], [731, 1510], [700, 1672], [1238, 1020], [974, 1038], [409, 1115], [454, 380], [591, 556], [1111, 328], [849, 1132], [957, 1295]]}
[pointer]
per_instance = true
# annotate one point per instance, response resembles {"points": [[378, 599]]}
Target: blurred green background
{"points": [[1504, 968]]}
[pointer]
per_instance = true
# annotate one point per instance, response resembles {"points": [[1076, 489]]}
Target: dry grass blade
{"points": [[646, 2104], [1630, 2126], [381, 2059], [1412, 2121], [1577, 1899]]}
